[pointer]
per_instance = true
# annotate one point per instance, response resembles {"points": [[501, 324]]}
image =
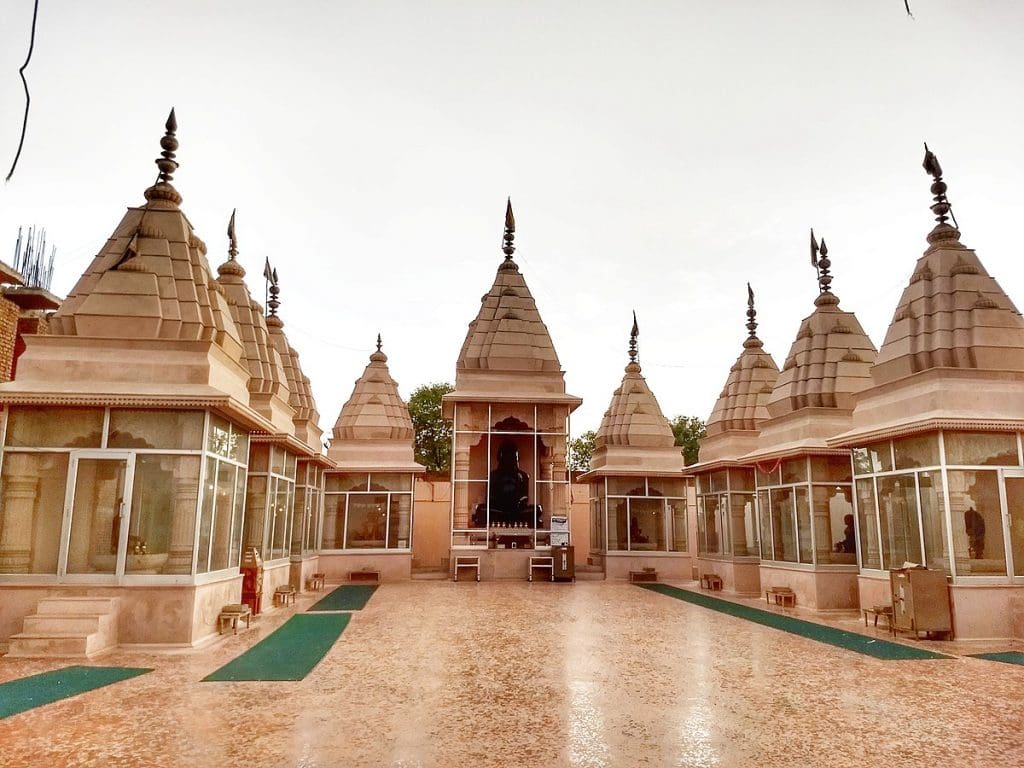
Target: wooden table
{"points": [[782, 595], [712, 581]]}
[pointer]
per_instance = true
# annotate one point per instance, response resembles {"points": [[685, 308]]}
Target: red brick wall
{"points": [[8, 334]]}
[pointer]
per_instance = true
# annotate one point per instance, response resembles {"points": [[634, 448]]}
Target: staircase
{"points": [[589, 573], [68, 627]]}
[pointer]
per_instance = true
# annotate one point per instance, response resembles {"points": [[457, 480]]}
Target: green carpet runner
{"points": [[289, 653], [840, 638], [45, 688], [1007, 657], [349, 597]]}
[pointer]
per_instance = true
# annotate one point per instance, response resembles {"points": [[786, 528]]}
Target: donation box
{"points": [[252, 579]]}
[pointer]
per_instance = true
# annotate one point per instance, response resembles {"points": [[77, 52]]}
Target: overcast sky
{"points": [[658, 154]]}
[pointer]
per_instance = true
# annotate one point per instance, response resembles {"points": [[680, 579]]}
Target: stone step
{"points": [[429, 575], [28, 645], [67, 623], [76, 605]]}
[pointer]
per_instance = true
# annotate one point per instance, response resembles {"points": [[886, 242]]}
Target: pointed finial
{"points": [[821, 262], [379, 344], [941, 207], [751, 313], [166, 162], [233, 241], [633, 334], [275, 291], [510, 232]]}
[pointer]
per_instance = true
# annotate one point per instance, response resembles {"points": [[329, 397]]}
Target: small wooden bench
{"points": [[230, 614], [368, 576], [880, 610], [316, 581], [782, 595], [544, 564], [283, 594], [469, 564], [711, 581], [647, 574]]}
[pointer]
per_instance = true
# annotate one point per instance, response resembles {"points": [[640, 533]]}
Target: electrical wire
{"points": [[28, 97]]}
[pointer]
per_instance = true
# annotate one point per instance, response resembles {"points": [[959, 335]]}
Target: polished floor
{"points": [[439, 674]]}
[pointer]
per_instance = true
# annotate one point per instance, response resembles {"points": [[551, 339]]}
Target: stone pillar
{"points": [[183, 517], [461, 489], [16, 527]]}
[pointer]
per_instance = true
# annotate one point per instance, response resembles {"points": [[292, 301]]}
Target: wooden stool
{"points": [[469, 564], [230, 614], [283, 594], [316, 581]]}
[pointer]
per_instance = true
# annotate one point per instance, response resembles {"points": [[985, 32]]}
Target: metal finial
{"points": [[166, 162], [233, 241], [941, 207], [274, 302], [633, 352], [751, 313], [379, 344], [510, 232], [821, 262]]}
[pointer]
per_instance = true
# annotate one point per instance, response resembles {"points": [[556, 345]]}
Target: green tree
{"points": [[581, 450], [688, 430], [433, 431]]}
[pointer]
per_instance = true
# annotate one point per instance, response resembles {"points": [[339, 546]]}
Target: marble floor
{"points": [[439, 674]]}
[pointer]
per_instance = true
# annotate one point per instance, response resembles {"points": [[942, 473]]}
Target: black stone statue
{"points": [[509, 493]]}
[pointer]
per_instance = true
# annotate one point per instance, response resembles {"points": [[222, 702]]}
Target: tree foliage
{"points": [[433, 432], [688, 430], [581, 450]]}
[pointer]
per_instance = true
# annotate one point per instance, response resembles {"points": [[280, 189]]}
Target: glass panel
{"points": [[677, 509], [299, 519], [712, 540], [626, 486], [794, 470], [901, 534], [933, 518], [647, 525], [398, 524], [873, 458], [596, 526], [290, 460], [259, 457], [1015, 508], [703, 483], [740, 479], [281, 518], [219, 439], [206, 515], [470, 504], [333, 536], [783, 525], [868, 522], [315, 513], [161, 531], [616, 524], [238, 446], [803, 526], [664, 486], [54, 427], [921, 451], [366, 520], [255, 513], [743, 525], [175, 430], [719, 481], [974, 448], [32, 511], [96, 516], [977, 523], [391, 482], [830, 469], [345, 481], [764, 515], [277, 460], [834, 539], [222, 524], [765, 476], [237, 517]]}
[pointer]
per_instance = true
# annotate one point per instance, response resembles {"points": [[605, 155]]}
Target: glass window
{"points": [[206, 515], [237, 517], [277, 460], [901, 533], [227, 440], [647, 525], [30, 427], [174, 430], [873, 458], [977, 522], [627, 486], [339, 481], [162, 521], [391, 482], [835, 542], [223, 525], [794, 470], [677, 510], [399, 521], [367, 519], [255, 512], [783, 525], [710, 537], [616, 524], [868, 524], [920, 451], [289, 464], [97, 517], [333, 536], [664, 486], [981, 448], [831, 469], [299, 519], [596, 525], [933, 520], [765, 476], [719, 481], [743, 524], [803, 525], [764, 516], [259, 460], [31, 511], [280, 514], [740, 479]]}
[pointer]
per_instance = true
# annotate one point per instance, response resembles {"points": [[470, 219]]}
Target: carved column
{"points": [[183, 516], [16, 526]]}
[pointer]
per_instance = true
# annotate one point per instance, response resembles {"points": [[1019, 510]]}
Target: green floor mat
{"points": [[851, 641], [35, 691], [1007, 657], [350, 597], [289, 653]]}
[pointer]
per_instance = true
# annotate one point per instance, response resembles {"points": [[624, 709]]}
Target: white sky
{"points": [[658, 155]]}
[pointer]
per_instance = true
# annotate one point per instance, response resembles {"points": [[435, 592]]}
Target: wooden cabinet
{"points": [[920, 601], [564, 563]]}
